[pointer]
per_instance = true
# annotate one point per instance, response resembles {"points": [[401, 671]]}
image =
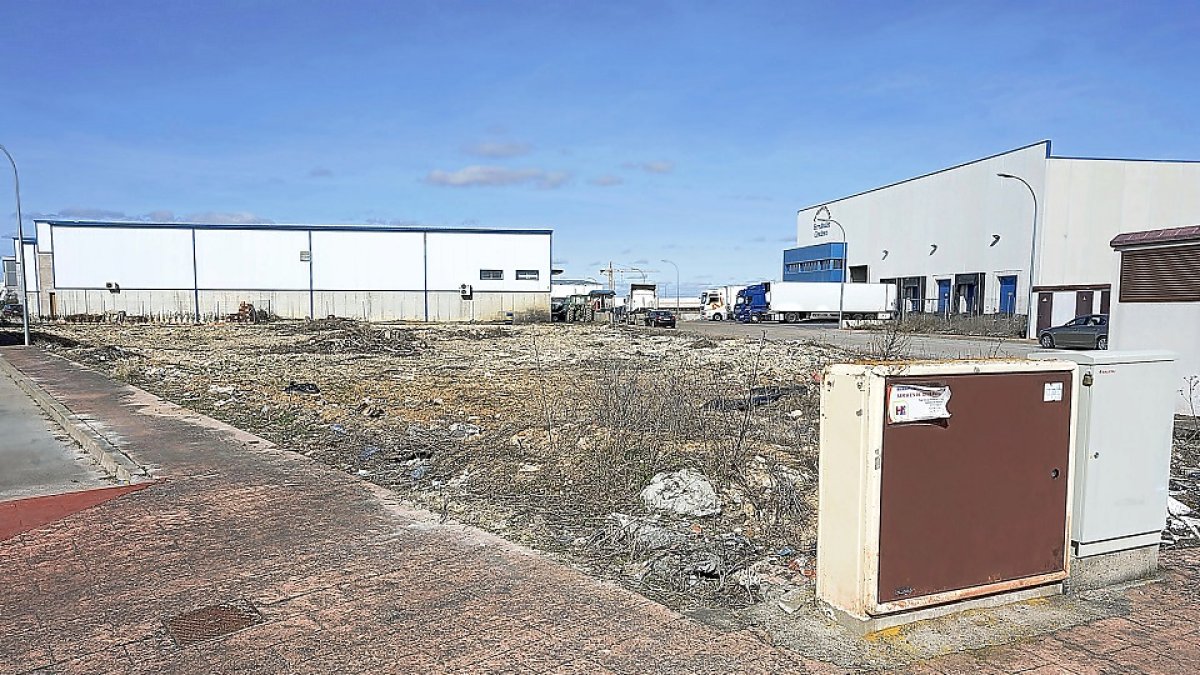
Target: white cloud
{"points": [[654, 166], [157, 216], [227, 218], [496, 176], [607, 181], [498, 149], [75, 213]]}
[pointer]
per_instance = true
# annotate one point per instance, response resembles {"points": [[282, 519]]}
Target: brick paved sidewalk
{"points": [[349, 580]]}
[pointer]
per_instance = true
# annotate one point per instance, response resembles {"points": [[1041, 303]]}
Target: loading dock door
{"points": [[981, 497], [943, 296], [1008, 295], [1083, 303], [1045, 309]]}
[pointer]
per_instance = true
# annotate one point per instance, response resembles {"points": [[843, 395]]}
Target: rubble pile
{"points": [[1183, 501]]}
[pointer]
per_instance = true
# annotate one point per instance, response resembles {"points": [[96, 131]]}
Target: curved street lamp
{"points": [[817, 219], [19, 249], [1032, 249]]}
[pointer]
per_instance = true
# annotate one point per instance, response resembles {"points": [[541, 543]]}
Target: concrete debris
{"points": [[684, 492], [219, 389], [757, 396], [792, 601], [460, 430], [1177, 508], [305, 388], [529, 467], [643, 532]]}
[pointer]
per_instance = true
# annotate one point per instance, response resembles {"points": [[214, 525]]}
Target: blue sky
{"points": [[636, 130]]}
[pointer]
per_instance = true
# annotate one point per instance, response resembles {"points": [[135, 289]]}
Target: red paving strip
{"points": [[22, 515], [348, 580]]}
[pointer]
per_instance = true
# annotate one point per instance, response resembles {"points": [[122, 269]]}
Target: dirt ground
{"points": [[544, 434]]}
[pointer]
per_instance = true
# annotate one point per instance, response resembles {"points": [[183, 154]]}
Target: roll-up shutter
{"points": [[1167, 274]]}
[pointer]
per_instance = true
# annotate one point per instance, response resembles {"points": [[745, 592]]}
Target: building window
{"points": [[527, 275], [491, 275], [1169, 274]]}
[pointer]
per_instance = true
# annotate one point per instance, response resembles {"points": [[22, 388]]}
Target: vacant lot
{"points": [[545, 434]]}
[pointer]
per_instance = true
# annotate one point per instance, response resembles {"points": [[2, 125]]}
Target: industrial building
{"points": [[990, 235], [196, 271]]}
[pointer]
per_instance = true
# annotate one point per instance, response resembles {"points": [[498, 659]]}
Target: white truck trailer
{"points": [[716, 304], [791, 301]]}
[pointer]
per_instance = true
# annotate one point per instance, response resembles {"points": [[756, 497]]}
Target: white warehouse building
{"points": [[962, 240], [195, 271]]}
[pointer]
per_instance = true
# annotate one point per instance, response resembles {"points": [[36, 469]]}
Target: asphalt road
{"points": [[914, 346], [36, 457]]}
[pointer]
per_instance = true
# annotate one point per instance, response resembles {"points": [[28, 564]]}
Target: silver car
{"points": [[1082, 332]]}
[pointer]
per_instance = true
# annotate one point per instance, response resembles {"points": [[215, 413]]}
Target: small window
{"points": [[527, 275], [491, 275]]}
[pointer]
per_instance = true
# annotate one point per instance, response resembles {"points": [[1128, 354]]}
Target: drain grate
{"points": [[211, 622]]}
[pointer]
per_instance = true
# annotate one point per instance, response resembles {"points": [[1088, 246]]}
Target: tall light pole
{"points": [[818, 220], [20, 249], [1029, 318], [676, 283]]}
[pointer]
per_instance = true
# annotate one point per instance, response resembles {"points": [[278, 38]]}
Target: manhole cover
{"points": [[213, 621]]}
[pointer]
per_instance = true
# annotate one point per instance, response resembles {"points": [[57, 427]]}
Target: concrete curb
{"points": [[109, 456]]}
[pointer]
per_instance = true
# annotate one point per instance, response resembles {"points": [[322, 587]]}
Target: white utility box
{"points": [[943, 486], [1123, 462]]}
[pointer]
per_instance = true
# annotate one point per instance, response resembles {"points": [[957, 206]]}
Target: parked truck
{"points": [[716, 304], [791, 301]]}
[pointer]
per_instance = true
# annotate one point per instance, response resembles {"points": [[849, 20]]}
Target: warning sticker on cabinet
{"points": [[916, 403], [1053, 391]]}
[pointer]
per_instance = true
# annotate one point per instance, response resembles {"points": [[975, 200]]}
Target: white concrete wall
{"points": [[135, 258], [1090, 201], [371, 275], [1174, 326], [45, 241], [456, 258], [368, 261], [958, 209], [261, 259]]}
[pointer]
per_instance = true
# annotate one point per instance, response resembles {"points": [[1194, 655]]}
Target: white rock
{"points": [[1177, 508], [685, 492]]}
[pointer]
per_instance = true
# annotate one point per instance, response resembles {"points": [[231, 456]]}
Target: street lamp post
{"points": [[677, 312], [20, 248], [1032, 248], [817, 219]]}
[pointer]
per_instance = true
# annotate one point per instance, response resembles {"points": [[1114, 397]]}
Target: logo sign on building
{"points": [[820, 229]]}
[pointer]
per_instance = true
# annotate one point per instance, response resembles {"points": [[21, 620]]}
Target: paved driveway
{"points": [[916, 346]]}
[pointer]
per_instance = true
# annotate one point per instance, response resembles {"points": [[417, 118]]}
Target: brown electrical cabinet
{"points": [[941, 482]]}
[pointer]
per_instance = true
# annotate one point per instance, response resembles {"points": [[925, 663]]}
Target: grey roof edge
{"points": [[136, 224], [1168, 235], [1045, 142]]}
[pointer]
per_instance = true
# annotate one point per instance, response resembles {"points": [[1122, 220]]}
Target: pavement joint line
{"points": [[109, 456]]}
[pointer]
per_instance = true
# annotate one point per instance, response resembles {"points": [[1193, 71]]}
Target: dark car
{"points": [[660, 318], [1084, 332]]}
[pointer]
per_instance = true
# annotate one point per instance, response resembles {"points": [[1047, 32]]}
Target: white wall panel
{"points": [[958, 210], [44, 240], [1091, 201], [88, 257], [456, 258], [368, 261], [251, 259]]}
